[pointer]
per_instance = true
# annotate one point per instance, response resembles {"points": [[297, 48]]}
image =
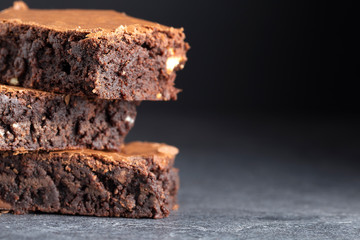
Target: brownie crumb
{"points": [[35, 120], [104, 54], [141, 182]]}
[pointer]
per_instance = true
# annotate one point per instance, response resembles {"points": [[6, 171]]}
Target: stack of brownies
{"points": [[70, 82]]}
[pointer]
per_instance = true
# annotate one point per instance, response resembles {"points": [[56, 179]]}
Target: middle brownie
{"points": [[36, 120]]}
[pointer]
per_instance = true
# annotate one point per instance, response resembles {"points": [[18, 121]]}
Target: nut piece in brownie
{"points": [[139, 182], [36, 120], [98, 53]]}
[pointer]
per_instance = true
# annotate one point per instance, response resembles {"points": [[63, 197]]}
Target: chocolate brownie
{"points": [[140, 182], [36, 120], [97, 53]]}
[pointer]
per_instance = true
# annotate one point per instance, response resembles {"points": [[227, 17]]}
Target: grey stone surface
{"points": [[243, 179]]}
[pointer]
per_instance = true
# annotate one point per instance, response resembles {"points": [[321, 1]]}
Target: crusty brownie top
{"points": [[14, 89], [92, 21], [134, 153]]}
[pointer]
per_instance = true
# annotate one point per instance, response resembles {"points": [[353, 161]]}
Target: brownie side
{"points": [[36, 120], [140, 65], [86, 183], [127, 64]]}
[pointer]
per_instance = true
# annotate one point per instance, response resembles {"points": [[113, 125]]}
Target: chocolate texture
{"points": [[96, 53], [36, 120], [139, 182]]}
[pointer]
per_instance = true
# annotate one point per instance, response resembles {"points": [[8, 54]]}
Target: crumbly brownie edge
{"points": [[153, 59], [124, 65], [35, 120], [87, 185]]}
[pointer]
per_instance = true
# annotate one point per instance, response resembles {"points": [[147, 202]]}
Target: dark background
{"points": [[253, 56], [267, 125], [280, 75]]}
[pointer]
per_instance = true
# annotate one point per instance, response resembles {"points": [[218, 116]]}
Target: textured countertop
{"points": [[242, 178]]}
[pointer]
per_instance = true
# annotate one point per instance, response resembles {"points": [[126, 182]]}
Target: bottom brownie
{"points": [[139, 182]]}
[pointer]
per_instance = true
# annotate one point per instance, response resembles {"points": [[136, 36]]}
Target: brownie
{"points": [[36, 120], [96, 53], [139, 182]]}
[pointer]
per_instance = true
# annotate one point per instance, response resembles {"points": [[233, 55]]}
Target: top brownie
{"points": [[97, 53]]}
